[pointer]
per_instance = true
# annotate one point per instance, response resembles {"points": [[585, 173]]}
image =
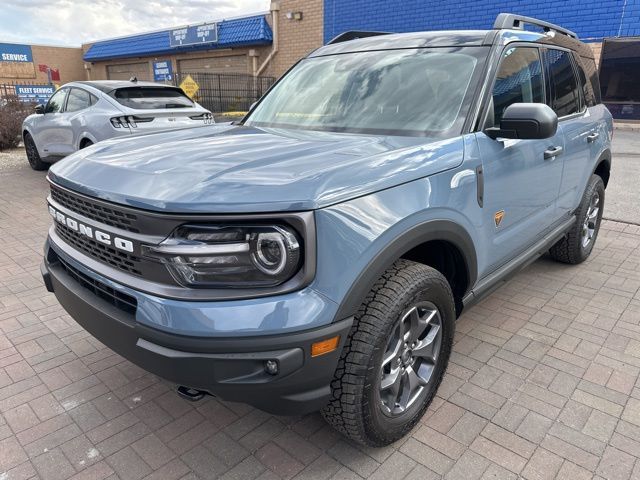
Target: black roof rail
{"points": [[509, 20], [354, 35]]}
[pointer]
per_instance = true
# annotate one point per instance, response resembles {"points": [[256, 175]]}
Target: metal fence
{"points": [[7, 90], [227, 92]]}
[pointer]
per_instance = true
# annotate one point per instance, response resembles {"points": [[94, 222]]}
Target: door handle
{"points": [[593, 137], [552, 152]]}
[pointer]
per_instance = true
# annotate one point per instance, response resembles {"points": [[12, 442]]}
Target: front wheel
{"points": [[577, 245], [32, 154], [395, 356]]}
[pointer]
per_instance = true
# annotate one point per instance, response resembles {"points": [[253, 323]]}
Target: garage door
{"points": [[227, 64], [126, 71]]}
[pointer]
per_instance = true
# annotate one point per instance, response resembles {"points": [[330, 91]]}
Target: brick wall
{"points": [[591, 19], [67, 60], [297, 37], [98, 70]]}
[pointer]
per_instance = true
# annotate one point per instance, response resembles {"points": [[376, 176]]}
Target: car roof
{"points": [[372, 41], [388, 41], [108, 86]]}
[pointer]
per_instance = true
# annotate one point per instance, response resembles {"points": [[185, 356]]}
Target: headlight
{"points": [[230, 256]]}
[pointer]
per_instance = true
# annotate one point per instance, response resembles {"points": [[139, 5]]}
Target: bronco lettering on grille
{"points": [[90, 232]]}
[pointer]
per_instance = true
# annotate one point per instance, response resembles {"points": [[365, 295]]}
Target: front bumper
{"points": [[232, 368]]}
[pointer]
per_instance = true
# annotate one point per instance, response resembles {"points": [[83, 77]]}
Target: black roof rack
{"points": [[509, 20], [354, 35]]}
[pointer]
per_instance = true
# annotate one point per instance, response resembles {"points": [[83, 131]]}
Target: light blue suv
{"points": [[316, 255]]}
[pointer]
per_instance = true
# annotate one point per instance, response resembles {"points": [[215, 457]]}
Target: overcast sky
{"points": [[72, 22]]}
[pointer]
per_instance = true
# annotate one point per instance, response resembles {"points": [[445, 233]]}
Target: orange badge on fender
{"points": [[498, 217]]}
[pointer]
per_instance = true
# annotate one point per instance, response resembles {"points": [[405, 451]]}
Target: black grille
{"points": [[120, 300], [116, 258], [94, 211]]}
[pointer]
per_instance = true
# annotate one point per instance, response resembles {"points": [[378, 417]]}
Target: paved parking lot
{"points": [[543, 383]]}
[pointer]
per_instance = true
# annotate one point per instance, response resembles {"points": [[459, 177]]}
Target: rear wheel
{"points": [[395, 356], [577, 245], [85, 143], [32, 154]]}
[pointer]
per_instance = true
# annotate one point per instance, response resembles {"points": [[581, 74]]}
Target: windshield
{"points": [[151, 98], [399, 92]]}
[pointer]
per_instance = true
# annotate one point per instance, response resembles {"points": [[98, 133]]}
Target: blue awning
{"points": [[240, 32]]}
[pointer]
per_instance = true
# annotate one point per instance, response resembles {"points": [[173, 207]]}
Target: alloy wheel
{"points": [[410, 358], [591, 220]]}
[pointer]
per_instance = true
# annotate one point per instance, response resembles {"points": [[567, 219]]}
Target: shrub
{"points": [[12, 114]]}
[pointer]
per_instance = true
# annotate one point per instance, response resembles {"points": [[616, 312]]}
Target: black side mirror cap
{"points": [[39, 109], [526, 121]]}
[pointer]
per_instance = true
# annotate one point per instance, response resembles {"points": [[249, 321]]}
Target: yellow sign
{"points": [[189, 86]]}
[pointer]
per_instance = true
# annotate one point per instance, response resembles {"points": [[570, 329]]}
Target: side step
{"points": [[191, 394]]}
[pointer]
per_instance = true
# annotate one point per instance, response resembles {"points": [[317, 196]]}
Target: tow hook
{"points": [[191, 394]]}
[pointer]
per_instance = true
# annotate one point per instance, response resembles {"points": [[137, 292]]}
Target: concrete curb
{"points": [[635, 127]]}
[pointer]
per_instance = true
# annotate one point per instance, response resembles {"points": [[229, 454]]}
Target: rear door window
{"points": [[78, 100], [565, 97], [151, 98]]}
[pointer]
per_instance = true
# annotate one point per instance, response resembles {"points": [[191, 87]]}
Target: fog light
{"points": [[325, 346], [271, 367]]}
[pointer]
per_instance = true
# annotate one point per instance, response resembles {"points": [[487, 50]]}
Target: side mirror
{"points": [[39, 109], [526, 121]]}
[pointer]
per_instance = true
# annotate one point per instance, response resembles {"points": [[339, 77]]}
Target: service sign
{"points": [[10, 52], [162, 71], [16, 61], [194, 35], [35, 93]]}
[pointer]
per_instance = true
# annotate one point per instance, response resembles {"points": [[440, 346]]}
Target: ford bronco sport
{"points": [[316, 255]]}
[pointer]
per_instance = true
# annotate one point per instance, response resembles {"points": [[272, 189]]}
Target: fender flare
{"points": [[605, 156], [445, 230]]}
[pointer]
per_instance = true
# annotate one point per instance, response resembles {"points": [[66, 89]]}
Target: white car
{"points": [[83, 113]]}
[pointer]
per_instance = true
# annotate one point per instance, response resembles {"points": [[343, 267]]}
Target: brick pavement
{"points": [[543, 383]]}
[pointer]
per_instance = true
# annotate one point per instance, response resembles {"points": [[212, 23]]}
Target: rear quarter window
{"points": [[585, 84], [591, 72], [151, 98]]}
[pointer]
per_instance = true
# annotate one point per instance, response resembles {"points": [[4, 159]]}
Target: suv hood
{"points": [[239, 169]]}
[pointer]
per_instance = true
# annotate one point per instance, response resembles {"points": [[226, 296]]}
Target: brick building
{"points": [[20, 63], [262, 44], [268, 43], [292, 28]]}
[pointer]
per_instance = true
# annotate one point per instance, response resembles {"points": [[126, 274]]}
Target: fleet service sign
{"points": [[162, 71], [35, 93], [194, 35], [16, 61]]}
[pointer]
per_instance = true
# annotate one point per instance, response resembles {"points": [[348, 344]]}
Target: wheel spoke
{"points": [[411, 323], [428, 347], [391, 354], [414, 381], [392, 382], [420, 323]]}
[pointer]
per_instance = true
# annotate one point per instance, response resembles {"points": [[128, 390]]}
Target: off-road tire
{"points": [[354, 409], [570, 248], [32, 154]]}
